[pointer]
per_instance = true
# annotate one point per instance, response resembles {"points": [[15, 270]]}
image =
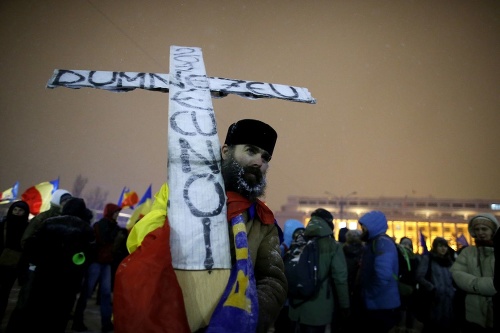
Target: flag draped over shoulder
{"points": [[423, 244], [9, 194], [38, 196], [141, 209], [128, 198], [148, 297], [238, 309]]}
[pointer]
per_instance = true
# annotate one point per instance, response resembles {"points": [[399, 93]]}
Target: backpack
{"points": [[406, 273], [302, 270]]}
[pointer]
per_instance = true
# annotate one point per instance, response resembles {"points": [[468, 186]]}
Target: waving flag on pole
{"points": [[142, 208], [128, 198], [38, 196], [423, 243], [9, 194], [462, 241]]}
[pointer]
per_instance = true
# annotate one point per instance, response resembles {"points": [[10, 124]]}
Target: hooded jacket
{"points": [[290, 227], [106, 230], [473, 273], [379, 265], [36, 222], [12, 227], [333, 270]]}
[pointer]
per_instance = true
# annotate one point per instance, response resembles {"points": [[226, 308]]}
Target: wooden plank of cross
{"points": [[197, 209]]}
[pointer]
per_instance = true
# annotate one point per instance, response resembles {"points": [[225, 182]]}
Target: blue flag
{"points": [[423, 243]]}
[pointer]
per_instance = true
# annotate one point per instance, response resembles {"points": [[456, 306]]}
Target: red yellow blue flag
{"points": [[38, 196], [142, 208], [9, 194], [128, 198]]}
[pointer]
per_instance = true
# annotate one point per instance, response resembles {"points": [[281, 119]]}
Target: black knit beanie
{"points": [[325, 215]]}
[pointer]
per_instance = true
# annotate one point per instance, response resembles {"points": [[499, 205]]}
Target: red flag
{"points": [[147, 295], [128, 198]]}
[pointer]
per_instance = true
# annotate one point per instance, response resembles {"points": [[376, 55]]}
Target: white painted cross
{"points": [[197, 202]]}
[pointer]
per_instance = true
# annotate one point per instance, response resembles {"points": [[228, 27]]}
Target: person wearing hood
{"points": [[353, 250], [291, 230], [473, 273], [378, 275], [106, 230], [58, 251], [434, 276], [59, 198], [316, 314], [12, 228]]}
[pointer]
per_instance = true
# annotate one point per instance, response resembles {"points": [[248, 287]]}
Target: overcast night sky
{"points": [[408, 92]]}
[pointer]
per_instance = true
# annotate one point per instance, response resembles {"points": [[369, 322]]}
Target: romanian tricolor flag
{"points": [[142, 208], [9, 194], [38, 196], [128, 198]]}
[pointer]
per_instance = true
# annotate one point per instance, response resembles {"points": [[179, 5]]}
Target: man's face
{"points": [[244, 170], [483, 232]]}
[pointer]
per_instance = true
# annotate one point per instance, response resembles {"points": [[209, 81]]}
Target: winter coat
{"points": [[12, 227], [106, 231], [36, 222], [440, 282], [333, 270], [379, 266], [473, 273], [264, 251]]}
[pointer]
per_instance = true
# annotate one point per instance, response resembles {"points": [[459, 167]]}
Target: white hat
{"points": [[58, 195]]}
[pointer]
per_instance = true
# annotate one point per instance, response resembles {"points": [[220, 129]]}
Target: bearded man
{"points": [[163, 300]]}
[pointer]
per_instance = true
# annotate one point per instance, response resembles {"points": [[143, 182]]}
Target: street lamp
{"points": [[342, 202]]}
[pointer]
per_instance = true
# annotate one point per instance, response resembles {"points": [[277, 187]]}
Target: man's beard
{"points": [[247, 181]]}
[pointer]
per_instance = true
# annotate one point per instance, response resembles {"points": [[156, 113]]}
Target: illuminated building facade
{"points": [[407, 216]]}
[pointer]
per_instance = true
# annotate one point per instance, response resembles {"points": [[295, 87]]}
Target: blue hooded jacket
{"points": [[379, 265], [290, 227]]}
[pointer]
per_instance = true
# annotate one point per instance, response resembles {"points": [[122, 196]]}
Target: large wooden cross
{"points": [[197, 210], [197, 201]]}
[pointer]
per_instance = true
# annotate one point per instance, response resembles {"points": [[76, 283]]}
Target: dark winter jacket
{"points": [[440, 283], [12, 227], [333, 270]]}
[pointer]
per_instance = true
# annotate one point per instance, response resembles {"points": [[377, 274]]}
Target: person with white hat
{"points": [[473, 273]]}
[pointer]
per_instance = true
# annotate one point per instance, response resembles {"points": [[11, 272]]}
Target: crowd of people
{"points": [[63, 256], [59, 264]]}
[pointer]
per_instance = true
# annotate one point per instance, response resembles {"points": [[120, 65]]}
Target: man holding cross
{"points": [[257, 286]]}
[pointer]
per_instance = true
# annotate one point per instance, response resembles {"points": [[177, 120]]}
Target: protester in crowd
{"points": [[473, 273], [289, 229], [353, 250], [292, 230], [100, 271], [27, 268], [245, 153], [58, 250], [313, 315], [342, 235], [59, 198], [434, 277], [379, 267], [411, 261], [496, 281], [12, 228]]}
